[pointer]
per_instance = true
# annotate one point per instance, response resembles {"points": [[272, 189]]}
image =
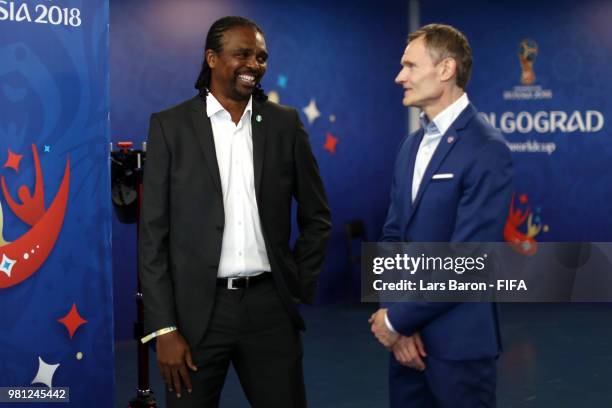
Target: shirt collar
{"points": [[444, 119], [213, 106]]}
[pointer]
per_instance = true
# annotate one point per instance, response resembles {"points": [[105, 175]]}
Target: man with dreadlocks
{"points": [[220, 282]]}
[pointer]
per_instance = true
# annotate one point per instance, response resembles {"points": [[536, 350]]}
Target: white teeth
{"points": [[247, 78]]}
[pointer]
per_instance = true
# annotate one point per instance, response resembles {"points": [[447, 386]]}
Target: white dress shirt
{"points": [[243, 252], [434, 130]]}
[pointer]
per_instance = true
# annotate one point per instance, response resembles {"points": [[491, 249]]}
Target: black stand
{"points": [[126, 175]]}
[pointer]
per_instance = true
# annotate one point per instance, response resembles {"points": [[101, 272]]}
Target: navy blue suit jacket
{"points": [[472, 206]]}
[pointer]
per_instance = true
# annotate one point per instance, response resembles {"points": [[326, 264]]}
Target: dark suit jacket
{"points": [[472, 206], [182, 217]]}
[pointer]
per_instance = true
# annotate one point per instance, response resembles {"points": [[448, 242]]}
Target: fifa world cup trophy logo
{"points": [[528, 50]]}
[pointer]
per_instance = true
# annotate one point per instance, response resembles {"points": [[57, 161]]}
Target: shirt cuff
{"points": [[389, 325], [160, 332]]}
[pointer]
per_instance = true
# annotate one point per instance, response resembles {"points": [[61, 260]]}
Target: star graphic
{"points": [[330, 143], [47, 149], [311, 111], [13, 160], [523, 198], [72, 320], [282, 81], [45, 373], [7, 265]]}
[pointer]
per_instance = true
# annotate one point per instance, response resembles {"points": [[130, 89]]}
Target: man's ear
{"points": [[448, 69], [211, 58]]}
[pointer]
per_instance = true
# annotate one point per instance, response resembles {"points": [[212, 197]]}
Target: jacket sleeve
{"points": [[313, 214], [155, 279]]}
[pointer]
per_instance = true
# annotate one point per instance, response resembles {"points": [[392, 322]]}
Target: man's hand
{"points": [[409, 351], [173, 358], [385, 336]]}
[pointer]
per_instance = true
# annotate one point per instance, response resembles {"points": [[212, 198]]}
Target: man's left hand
{"points": [[385, 336]]}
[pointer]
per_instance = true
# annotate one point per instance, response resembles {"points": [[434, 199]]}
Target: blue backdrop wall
{"points": [[342, 56], [56, 326], [541, 75]]}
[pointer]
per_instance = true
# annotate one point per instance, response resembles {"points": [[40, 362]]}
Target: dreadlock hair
{"points": [[213, 42]]}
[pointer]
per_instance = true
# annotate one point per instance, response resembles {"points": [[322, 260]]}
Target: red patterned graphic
{"points": [[72, 320], [33, 207], [13, 161], [330, 143], [21, 258], [522, 242]]}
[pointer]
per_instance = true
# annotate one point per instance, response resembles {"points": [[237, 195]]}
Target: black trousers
{"points": [[251, 329]]}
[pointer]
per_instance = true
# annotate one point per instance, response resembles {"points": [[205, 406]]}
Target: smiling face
{"points": [[421, 78], [238, 68]]}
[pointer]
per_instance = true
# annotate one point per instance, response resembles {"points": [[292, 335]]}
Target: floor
{"points": [[556, 355]]}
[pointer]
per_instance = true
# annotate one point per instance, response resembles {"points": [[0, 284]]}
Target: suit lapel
{"points": [[204, 135], [448, 141], [259, 130]]}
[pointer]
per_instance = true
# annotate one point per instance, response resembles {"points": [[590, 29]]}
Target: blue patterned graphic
{"points": [[56, 325]]}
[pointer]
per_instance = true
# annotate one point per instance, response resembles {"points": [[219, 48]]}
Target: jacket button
{"points": [[219, 228]]}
